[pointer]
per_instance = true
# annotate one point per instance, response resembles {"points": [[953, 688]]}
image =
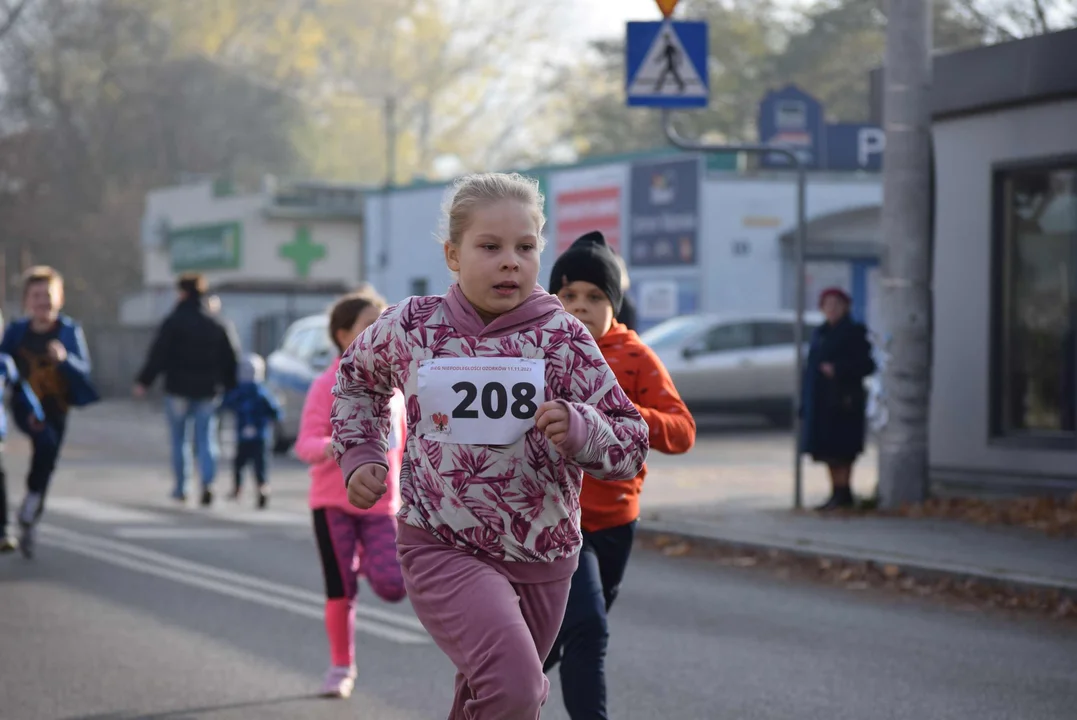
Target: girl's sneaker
{"points": [[8, 544], [339, 682]]}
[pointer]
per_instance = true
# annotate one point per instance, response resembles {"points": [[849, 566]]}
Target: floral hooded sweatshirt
{"points": [[512, 502]]}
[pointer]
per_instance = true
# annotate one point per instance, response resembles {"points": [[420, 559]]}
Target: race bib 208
{"points": [[479, 401]]}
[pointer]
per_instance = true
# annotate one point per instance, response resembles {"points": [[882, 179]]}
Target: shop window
{"points": [[1034, 390]]}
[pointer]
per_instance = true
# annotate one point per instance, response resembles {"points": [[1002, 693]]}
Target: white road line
{"points": [[255, 517], [179, 533], [301, 602], [106, 513]]}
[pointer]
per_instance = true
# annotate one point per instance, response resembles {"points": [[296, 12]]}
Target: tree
{"points": [[826, 48], [11, 14], [459, 72], [106, 114]]}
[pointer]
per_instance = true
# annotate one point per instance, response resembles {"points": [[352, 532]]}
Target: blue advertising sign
{"points": [[854, 146], [792, 118], [664, 212]]}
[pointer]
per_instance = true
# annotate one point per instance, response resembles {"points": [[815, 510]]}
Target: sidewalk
{"points": [[733, 490], [1015, 557]]}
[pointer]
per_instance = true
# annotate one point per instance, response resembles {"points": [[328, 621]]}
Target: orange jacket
{"points": [[610, 503]]}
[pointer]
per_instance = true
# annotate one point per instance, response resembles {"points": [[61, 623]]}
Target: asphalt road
{"points": [[134, 608], [130, 612]]}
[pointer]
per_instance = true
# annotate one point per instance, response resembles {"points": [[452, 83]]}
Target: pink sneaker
{"points": [[339, 682]]}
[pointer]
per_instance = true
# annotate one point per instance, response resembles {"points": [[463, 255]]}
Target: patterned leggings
{"points": [[350, 544]]}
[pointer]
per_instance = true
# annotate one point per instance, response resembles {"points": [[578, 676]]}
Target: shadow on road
{"points": [[194, 713]]}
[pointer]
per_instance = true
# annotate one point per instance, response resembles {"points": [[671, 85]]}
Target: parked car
{"points": [[740, 364], [305, 352]]}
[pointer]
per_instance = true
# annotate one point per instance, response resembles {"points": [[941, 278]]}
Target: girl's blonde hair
{"points": [[471, 191]]}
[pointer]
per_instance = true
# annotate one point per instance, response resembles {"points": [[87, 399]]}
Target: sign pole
{"points": [[798, 254]]}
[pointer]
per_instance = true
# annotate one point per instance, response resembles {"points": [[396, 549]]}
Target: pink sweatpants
{"points": [[496, 629]]}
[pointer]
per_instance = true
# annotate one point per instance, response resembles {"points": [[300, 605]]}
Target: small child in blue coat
{"points": [[255, 410]]}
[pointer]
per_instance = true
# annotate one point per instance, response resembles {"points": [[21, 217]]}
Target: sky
{"points": [[590, 19]]}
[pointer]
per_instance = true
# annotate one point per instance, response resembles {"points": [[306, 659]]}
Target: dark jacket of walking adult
{"points": [[194, 351], [833, 409]]}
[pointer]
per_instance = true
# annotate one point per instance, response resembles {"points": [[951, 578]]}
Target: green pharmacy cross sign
{"points": [[302, 251]]}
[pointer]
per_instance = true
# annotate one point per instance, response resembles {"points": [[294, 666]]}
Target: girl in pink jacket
{"points": [[344, 532]]}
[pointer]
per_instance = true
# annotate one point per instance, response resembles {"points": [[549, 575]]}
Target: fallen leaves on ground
{"points": [[1055, 516], [965, 594]]}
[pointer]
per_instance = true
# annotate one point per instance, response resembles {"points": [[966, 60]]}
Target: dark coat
{"points": [[194, 351], [833, 408]]}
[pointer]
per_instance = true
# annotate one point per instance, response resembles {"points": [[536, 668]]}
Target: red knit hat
{"points": [[836, 292]]}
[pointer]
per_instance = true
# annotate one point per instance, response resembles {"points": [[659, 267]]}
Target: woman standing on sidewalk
{"points": [[834, 395]]}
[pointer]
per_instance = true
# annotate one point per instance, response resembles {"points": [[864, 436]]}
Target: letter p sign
{"points": [[869, 141]]}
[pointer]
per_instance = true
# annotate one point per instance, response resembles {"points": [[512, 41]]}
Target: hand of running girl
{"points": [[366, 485], [552, 419]]}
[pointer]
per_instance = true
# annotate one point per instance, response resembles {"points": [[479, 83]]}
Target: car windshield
{"points": [[672, 332]]}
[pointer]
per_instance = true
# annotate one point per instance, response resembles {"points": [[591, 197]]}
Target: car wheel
{"points": [[279, 442]]}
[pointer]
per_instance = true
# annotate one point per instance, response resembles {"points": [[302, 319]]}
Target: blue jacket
{"points": [[255, 408], [22, 394], [76, 368]]}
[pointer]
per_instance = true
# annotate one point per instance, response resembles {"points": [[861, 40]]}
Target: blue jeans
{"points": [[181, 413]]}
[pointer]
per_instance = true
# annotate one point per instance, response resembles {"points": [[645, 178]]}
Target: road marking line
{"points": [[178, 533], [184, 570], [106, 513]]}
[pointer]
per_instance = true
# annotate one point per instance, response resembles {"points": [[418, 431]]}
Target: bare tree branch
{"points": [[1041, 15], [13, 14]]}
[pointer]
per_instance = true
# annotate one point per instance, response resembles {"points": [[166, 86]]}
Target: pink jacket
{"points": [[327, 489]]}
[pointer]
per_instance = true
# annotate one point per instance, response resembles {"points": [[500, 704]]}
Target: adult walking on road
{"points": [[198, 358]]}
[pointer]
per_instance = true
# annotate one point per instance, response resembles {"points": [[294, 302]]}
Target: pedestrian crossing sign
{"points": [[666, 64]]}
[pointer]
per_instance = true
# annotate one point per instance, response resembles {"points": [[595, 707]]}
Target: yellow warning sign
{"points": [[666, 6]]}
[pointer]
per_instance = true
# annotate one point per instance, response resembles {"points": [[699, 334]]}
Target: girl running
{"points": [[349, 539], [509, 402]]}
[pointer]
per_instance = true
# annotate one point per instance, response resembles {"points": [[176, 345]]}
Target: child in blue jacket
{"points": [[50, 354], [24, 396], [256, 410]]}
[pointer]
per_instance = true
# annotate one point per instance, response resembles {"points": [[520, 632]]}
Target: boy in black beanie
{"points": [[587, 280], [589, 262]]}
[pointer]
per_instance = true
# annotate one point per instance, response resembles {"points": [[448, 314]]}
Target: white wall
{"points": [[733, 208], [757, 211], [413, 250], [965, 149], [263, 237]]}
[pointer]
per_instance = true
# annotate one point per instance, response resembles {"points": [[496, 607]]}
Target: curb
{"points": [[908, 565]]}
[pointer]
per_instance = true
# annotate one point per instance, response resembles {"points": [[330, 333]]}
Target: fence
{"points": [[118, 352]]}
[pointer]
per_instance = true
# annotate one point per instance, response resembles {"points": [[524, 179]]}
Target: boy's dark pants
{"points": [[46, 440], [581, 644], [255, 452], [3, 498]]}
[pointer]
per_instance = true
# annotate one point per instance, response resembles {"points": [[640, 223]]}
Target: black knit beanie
{"points": [[589, 259]]}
